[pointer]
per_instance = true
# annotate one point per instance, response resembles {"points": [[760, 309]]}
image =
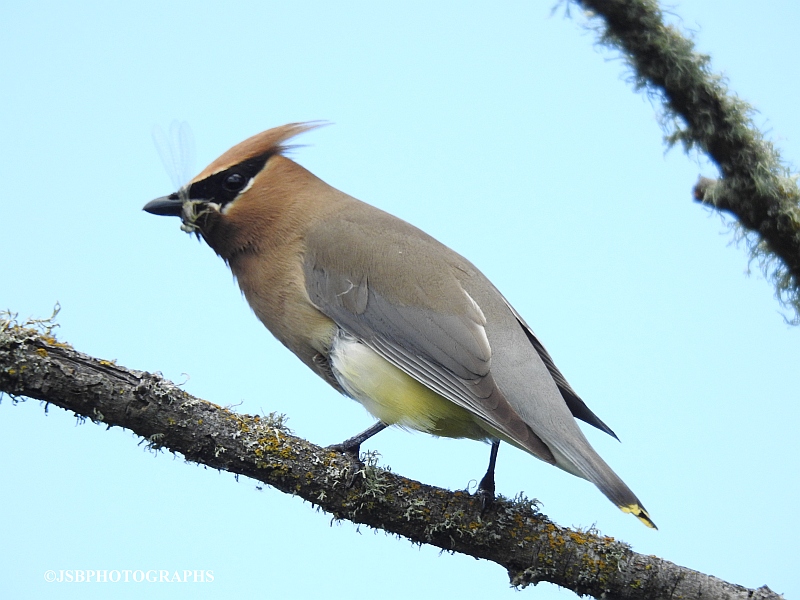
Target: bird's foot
{"points": [[485, 492], [351, 450], [352, 446]]}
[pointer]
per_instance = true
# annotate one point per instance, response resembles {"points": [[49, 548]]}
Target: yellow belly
{"points": [[396, 398]]}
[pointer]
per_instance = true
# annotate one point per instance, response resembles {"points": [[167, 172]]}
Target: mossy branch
{"points": [[512, 534], [756, 186]]}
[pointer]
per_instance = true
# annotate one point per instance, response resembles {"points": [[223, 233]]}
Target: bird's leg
{"points": [[353, 445], [486, 486]]}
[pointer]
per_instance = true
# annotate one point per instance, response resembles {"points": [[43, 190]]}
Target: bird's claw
{"points": [[485, 493], [353, 451]]}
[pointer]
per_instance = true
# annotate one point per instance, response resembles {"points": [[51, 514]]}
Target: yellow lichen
{"points": [[51, 341]]}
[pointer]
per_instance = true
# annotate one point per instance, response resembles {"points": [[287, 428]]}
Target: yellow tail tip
{"points": [[640, 513]]}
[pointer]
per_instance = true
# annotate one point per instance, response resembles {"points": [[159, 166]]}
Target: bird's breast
{"points": [[275, 289]]}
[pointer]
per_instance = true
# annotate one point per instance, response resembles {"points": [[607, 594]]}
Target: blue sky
{"points": [[498, 128]]}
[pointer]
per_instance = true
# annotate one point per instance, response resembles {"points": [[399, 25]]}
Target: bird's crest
{"points": [[269, 141]]}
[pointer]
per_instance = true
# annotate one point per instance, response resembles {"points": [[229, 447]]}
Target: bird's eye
{"points": [[234, 182]]}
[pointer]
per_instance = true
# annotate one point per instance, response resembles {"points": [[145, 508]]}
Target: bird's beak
{"points": [[166, 206]]}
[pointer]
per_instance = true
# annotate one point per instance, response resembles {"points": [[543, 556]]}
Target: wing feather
{"points": [[447, 352], [574, 402]]}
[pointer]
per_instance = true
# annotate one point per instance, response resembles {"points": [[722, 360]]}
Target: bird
{"points": [[386, 314]]}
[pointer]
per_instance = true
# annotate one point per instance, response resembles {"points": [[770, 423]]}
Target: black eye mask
{"points": [[223, 187]]}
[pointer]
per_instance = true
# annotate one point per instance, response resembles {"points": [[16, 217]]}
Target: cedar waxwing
{"points": [[386, 314]]}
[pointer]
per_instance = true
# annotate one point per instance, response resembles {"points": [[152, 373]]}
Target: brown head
{"points": [[243, 198]]}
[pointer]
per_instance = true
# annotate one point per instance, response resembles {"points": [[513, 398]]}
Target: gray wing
{"points": [[576, 406], [445, 349]]}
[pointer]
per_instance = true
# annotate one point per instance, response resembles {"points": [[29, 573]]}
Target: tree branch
{"points": [[512, 534], [756, 187]]}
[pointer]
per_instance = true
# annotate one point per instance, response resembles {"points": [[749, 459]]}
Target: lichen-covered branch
{"points": [[511, 533], [755, 186]]}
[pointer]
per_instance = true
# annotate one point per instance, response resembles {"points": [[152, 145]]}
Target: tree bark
{"points": [[513, 534], [755, 186]]}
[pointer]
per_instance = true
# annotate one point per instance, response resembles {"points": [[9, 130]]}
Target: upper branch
{"points": [[756, 187], [511, 533]]}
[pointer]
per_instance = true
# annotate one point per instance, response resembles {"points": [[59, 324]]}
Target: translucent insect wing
{"points": [[176, 150]]}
